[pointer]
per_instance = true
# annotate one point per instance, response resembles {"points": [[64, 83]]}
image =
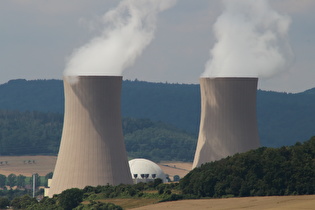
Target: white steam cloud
{"points": [[128, 29], [252, 41]]}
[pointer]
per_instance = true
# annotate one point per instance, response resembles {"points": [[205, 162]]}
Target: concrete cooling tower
{"points": [[92, 150], [228, 123]]}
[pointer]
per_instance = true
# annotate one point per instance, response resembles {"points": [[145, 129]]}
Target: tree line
{"points": [[18, 188], [21, 182]]}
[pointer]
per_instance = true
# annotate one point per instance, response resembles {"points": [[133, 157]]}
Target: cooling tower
{"points": [[228, 123], [92, 150]]}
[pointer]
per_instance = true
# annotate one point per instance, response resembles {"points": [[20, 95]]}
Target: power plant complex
{"points": [[228, 123], [92, 150]]}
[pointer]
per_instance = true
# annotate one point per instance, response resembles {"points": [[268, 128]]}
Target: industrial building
{"points": [[143, 170], [228, 123], [92, 150]]}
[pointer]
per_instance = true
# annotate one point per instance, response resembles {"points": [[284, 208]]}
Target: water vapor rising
{"points": [[252, 41], [128, 29]]}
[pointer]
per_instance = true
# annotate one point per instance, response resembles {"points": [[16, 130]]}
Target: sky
{"points": [[38, 37]]}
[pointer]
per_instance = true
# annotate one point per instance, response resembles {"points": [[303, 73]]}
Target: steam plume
{"points": [[252, 41], [128, 29]]}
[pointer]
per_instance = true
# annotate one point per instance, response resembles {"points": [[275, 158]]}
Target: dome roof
{"points": [[145, 169]]}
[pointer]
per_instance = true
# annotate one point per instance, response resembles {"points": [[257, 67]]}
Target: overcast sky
{"points": [[37, 37]]}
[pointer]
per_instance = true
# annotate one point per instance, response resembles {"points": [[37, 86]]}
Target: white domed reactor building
{"points": [[143, 170]]}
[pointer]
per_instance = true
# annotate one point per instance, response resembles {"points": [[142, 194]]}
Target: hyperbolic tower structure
{"points": [[228, 123], [92, 151]]}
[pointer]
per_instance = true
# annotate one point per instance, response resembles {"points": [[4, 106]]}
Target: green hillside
{"points": [[283, 118], [35, 133], [260, 172], [37, 95], [28, 133]]}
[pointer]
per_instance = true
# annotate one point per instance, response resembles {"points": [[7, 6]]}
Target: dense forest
{"points": [[262, 172], [27, 133], [34, 133], [283, 118]]}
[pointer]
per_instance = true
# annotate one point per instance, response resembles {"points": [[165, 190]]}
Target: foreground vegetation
{"points": [[90, 197], [260, 172]]}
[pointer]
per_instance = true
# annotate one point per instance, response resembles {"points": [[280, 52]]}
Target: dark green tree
{"points": [[20, 181], [45, 203], [11, 180], [98, 206], [70, 198], [157, 182], [4, 202], [23, 202], [2, 180]]}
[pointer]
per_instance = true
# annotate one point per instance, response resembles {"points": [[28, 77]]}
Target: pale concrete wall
{"points": [[228, 123], [92, 151]]}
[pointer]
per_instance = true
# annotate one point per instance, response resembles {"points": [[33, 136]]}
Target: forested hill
{"points": [[37, 133], [261, 172], [283, 118], [37, 95]]}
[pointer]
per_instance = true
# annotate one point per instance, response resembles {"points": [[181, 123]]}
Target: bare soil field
{"points": [[259, 203]]}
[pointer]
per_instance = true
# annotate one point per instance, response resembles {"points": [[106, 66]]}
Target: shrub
{"points": [[70, 198]]}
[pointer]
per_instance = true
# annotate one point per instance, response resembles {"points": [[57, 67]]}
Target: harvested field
{"points": [[175, 168], [259, 203], [27, 165]]}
